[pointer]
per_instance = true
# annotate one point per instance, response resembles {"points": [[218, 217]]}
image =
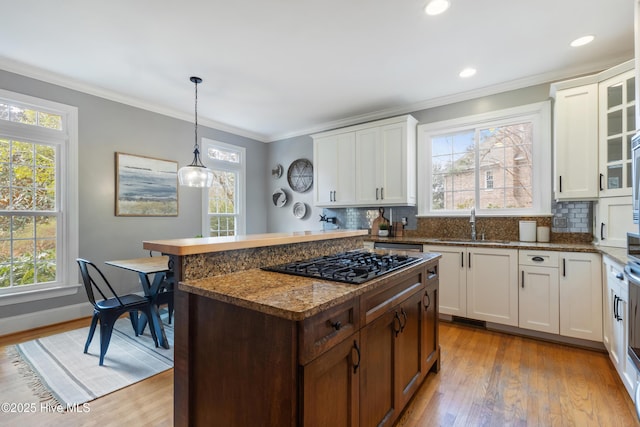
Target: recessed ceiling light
{"points": [[436, 7], [467, 72], [581, 41]]}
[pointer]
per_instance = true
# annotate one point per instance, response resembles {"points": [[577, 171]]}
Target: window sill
{"points": [[38, 294]]}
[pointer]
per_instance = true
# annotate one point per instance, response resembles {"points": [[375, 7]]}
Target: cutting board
{"points": [[375, 225]]}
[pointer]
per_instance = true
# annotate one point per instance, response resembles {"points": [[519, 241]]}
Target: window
{"points": [[225, 198], [38, 198], [488, 180], [497, 163]]}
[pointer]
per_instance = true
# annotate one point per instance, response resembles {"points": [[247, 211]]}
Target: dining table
{"points": [[158, 266]]}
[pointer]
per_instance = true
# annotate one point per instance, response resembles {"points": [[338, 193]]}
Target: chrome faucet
{"points": [[472, 220]]}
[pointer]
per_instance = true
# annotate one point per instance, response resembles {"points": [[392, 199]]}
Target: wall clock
{"points": [[300, 175]]}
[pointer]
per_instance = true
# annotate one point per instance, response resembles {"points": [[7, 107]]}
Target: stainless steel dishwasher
{"points": [[411, 247]]}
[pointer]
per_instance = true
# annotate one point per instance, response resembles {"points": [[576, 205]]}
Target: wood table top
{"points": [[146, 265]]}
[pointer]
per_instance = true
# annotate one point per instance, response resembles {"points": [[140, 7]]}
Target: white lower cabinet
{"points": [[616, 332], [539, 291], [546, 291], [479, 283], [453, 279], [580, 276]]}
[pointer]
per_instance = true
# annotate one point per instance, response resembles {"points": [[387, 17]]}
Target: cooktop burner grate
{"points": [[349, 267]]}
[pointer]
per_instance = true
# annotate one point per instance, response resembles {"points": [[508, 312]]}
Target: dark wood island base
{"points": [[260, 348], [355, 361]]}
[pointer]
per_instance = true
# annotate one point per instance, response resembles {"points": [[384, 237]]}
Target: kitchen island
{"points": [[254, 347]]}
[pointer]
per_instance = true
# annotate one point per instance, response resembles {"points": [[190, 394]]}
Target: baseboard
{"points": [[24, 322]]}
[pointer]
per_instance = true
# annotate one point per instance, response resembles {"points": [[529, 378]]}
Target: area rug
{"points": [[58, 370]]}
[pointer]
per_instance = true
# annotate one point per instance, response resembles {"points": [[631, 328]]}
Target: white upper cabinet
{"points": [[593, 124], [335, 181], [576, 143], [617, 126], [382, 168]]}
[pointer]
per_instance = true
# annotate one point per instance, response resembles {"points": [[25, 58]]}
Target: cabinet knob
{"points": [[337, 325]]}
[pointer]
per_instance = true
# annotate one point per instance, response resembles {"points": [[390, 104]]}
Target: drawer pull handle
{"points": [[404, 314], [337, 325], [428, 303], [357, 364], [399, 328], [537, 259]]}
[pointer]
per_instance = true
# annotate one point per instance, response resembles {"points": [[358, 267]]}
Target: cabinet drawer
{"points": [[321, 332], [538, 258], [375, 303]]}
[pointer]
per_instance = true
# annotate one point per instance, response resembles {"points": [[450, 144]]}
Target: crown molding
{"points": [[69, 83], [458, 97]]}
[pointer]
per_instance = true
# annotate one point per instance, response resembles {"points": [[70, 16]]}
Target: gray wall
{"points": [[106, 127], [284, 152]]}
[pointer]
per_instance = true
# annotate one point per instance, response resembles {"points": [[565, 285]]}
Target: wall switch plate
{"points": [[560, 222]]}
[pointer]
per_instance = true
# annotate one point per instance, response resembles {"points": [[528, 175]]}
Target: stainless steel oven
{"points": [[635, 168]]}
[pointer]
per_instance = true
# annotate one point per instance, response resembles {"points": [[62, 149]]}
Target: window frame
{"points": [[221, 165], [539, 114], [67, 241]]}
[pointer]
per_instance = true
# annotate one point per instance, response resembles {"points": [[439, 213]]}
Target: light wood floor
{"points": [[486, 379]]}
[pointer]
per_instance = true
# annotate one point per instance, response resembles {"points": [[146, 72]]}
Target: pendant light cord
{"points": [[196, 151]]}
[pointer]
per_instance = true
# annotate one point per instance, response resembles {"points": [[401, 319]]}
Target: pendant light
{"points": [[196, 174]]}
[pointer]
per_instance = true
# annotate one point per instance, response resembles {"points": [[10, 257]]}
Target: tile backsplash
{"points": [[570, 221]]}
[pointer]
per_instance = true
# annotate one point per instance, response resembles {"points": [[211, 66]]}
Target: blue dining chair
{"points": [[108, 309]]}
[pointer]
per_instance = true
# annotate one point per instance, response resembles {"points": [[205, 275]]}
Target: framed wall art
{"points": [[145, 186]]}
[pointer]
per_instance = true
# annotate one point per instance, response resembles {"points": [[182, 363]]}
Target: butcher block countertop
{"points": [[288, 296], [200, 245]]}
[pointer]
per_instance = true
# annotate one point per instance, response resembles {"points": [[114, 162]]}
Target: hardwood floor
{"points": [[486, 379]]}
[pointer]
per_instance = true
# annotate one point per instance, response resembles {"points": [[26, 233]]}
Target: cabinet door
{"points": [[609, 300], [539, 304], [576, 143], [408, 349], [334, 173], [325, 169], [393, 175], [367, 155], [377, 394], [492, 285], [430, 338], [617, 126], [581, 295], [453, 279], [614, 220], [330, 387]]}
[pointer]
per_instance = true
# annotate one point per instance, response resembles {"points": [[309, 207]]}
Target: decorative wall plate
{"points": [[300, 175], [299, 210], [279, 197], [277, 171]]}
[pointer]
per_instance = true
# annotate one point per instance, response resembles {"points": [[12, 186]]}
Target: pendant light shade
{"points": [[196, 174]]}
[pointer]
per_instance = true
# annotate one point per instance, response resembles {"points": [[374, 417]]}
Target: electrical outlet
{"points": [[560, 222]]}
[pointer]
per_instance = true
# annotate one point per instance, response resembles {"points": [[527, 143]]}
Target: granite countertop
{"points": [[287, 296], [618, 254]]}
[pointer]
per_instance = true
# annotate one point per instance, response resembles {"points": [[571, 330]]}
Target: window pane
{"points": [[453, 168], [507, 151], [29, 116], [222, 194], [230, 156]]}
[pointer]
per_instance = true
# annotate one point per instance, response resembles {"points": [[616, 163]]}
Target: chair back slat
{"points": [[90, 283]]}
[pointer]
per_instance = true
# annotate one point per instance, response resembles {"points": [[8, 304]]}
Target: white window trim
{"points": [[241, 168], [538, 113], [67, 170]]}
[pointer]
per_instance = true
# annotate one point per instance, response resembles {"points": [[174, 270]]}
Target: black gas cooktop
{"points": [[354, 267]]}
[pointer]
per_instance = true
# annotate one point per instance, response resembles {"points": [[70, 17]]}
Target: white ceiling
{"points": [[279, 68]]}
